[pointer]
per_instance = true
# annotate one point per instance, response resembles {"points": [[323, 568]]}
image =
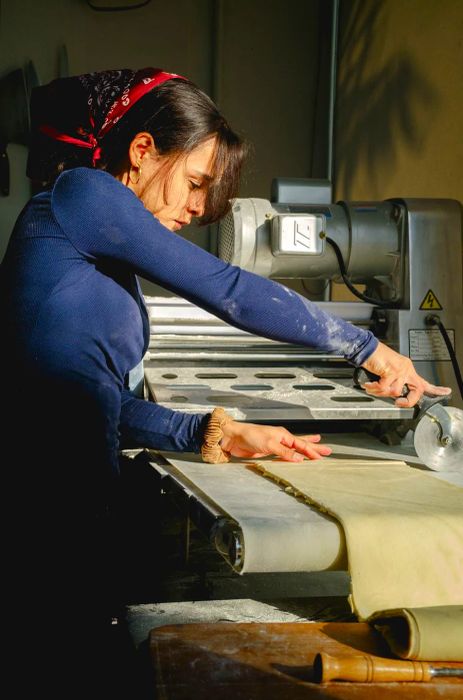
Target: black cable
{"points": [[433, 320], [118, 8], [348, 283]]}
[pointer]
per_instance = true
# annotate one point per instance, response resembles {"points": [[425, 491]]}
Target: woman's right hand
{"points": [[250, 441], [397, 371]]}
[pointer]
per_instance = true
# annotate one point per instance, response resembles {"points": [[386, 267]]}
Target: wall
{"points": [[267, 85], [400, 99], [399, 102]]}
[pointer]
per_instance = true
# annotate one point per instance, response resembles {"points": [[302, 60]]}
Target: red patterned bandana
{"points": [[89, 105]]}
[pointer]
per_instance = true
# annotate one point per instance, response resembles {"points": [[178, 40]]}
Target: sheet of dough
{"points": [[426, 634], [279, 533], [403, 528]]}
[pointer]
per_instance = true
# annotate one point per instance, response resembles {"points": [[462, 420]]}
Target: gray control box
{"points": [[298, 234]]}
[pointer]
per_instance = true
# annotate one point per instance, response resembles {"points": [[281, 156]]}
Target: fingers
{"points": [[432, 390], [305, 447], [414, 395], [285, 453], [288, 438], [416, 388], [256, 441], [310, 450], [311, 438], [395, 389], [410, 400], [385, 387]]}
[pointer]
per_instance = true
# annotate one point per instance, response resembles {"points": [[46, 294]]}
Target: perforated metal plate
{"points": [[260, 393]]}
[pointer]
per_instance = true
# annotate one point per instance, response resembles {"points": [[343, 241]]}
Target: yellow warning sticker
{"points": [[430, 301]]}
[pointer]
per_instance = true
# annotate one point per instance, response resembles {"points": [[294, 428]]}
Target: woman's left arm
{"points": [[104, 219]]}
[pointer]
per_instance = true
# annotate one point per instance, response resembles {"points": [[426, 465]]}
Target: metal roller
{"points": [[438, 438]]}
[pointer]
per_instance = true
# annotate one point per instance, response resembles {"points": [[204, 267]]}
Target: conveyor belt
{"points": [[266, 529], [258, 527]]}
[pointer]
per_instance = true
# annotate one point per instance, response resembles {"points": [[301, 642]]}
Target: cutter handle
{"points": [[362, 375], [368, 669]]}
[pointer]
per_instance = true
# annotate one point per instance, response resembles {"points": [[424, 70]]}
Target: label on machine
{"points": [[429, 345]]}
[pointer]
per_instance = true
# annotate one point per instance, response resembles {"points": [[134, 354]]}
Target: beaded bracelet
{"points": [[211, 450]]}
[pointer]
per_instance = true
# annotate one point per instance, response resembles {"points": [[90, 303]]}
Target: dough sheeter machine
{"points": [[408, 254]]}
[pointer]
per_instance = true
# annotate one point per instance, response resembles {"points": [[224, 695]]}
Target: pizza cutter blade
{"points": [[438, 438]]}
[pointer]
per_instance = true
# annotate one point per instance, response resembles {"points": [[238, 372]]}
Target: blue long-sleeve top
{"points": [[76, 316]]}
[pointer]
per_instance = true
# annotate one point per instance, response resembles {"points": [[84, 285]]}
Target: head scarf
{"points": [[78, 112]]}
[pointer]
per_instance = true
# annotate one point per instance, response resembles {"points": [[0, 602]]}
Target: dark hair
{"points": [[177, 114], [180, 117]]}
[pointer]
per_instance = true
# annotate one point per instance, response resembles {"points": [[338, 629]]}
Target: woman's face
{"points": [[175, 193]]}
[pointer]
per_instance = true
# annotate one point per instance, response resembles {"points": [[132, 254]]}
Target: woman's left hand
{"points": [[250, 441], [396, 372]]}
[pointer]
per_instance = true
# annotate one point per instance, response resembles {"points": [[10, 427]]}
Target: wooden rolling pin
{"points": [[370, 669]]}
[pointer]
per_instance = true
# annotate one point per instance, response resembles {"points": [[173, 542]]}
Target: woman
{"points": [[126, 159]]}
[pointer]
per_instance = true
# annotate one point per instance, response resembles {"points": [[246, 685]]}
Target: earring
{"points": [[135, 182]]}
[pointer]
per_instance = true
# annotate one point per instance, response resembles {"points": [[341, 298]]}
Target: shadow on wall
{"points": [[379, 110]]}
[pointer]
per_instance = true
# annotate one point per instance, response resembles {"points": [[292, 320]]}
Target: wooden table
{"points": [[253, 661]]}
